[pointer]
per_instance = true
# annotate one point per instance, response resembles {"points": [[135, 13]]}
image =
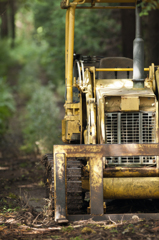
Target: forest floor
{"points": [[24, 213]]}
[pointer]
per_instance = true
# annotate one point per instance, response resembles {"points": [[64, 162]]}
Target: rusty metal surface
{"points": [[130, 172], [125, 171], [128, 188], [59, 187], [96, 186], [115, 217], [109, 150]]}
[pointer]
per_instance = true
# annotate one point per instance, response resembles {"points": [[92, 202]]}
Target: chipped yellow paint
{"points": [[95, 169], [128, 188], [96, 178], [60, 166], [130, 172], [112, 150]]}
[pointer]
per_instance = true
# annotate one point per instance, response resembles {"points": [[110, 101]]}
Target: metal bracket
{"points": [[96, 186], [95, 153], [60, 187]]}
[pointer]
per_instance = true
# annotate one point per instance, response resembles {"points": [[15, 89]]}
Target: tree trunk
{"points": [[4, 25], [4, 19], [153, 37], [128, 31], [12, 17]]}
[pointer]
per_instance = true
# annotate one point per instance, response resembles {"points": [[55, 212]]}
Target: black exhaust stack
{"points": [[138, 54]]}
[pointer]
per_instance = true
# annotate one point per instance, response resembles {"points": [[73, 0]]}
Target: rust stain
{"points": [[86, 150]]}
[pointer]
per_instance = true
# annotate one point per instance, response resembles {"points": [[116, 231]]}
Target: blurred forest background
{"points": [[32, 35]]}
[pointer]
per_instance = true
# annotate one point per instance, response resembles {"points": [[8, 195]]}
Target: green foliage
{"points": [[7, 106], [76, 238], [67, 229], [28, 80], [6, 60], [90, 38], [23, 165], [41, 122], [39, 52], [31, 75], [114, 230], [147, 6], [5, 209], [50, 26], [61, 90], [12, 195], [93, 30], [55, 237]]}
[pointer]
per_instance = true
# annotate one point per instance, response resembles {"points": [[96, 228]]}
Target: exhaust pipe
{"points": [[138, 54]]}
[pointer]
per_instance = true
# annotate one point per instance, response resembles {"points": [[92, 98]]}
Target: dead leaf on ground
{"points": [[155, 229], [2, 228]]}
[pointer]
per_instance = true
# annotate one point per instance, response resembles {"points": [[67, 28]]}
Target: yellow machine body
{"points": [[104, 96], [108, 111], [128, 188]]}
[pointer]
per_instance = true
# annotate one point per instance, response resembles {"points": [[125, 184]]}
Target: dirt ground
{"points": [[24, 213]]}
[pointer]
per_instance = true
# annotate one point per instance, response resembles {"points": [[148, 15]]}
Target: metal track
{"points": [[74, 183], [47, 161]]}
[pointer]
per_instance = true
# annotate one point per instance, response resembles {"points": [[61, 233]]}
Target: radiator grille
{"points": [[112, 128], [135, 127], [130, 128]]}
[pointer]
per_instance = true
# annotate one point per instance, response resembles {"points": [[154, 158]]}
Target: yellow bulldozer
{"points": [[110, 128]]}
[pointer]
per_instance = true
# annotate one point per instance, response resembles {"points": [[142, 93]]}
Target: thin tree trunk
{"points": [[128, 31], [153, 37], [4, 25], [12, 16], [4, 19]]}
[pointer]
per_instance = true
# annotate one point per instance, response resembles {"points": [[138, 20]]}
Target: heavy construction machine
{"points": [[110, 128]]}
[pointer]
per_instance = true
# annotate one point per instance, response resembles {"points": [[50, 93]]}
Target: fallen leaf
{"points": [[2, 228], [155, 229], [10, 220]]}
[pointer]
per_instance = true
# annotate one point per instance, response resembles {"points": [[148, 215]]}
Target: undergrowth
{"points": [[35, 90], [41, 121]]}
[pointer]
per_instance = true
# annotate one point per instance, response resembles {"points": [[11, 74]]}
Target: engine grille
{"points": [[137, 127]]}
